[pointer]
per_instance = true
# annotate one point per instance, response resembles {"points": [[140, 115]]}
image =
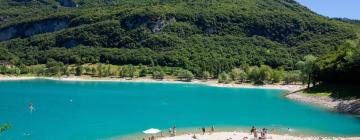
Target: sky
{"points": [[334, 8]]}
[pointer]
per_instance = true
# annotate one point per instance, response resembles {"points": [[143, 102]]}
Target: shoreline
{"points": [[351, 106], [236, 135], [293, 92], [211, 82]]}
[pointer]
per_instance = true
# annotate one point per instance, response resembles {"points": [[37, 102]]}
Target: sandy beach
{"points": [[242, 135], [212, 82]]}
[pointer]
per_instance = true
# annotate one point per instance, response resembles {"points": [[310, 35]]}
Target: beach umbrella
{"points": [[152, 131]]}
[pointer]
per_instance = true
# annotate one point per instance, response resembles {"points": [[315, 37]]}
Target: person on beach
{"points": [[174, 130], [262, 135], [264, 131], [203, 130], [170, 131], [194, 136], [212, 129], [253, 131]]}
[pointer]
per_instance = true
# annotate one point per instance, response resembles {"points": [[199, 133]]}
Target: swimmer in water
{"points": [[71, 100], [31, 107]]}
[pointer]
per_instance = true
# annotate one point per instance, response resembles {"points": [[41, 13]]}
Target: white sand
{"points": [[13, 78], [241, 135], [290, 88]]}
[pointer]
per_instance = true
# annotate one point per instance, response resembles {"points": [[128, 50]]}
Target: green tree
{"points": [[205, 75], [235, 74], [260, 75], [243, 76], [65, 70], [53, 67], [292, 77], [3, 70], [127, 71], [87, 70], [185, 75], [158, 74], [308, 68], [277, 75], [93, 70], [265, 73], [79, 70], [224, 78], [245, 67], [23, 69], [142, 72], [106, 71], [254, 74], [100, 70]]}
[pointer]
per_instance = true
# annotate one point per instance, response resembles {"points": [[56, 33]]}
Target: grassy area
{"points": [[340, 91], [320, 94]]}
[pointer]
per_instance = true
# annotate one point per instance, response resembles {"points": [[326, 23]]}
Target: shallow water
{"points": [[101, 110]]}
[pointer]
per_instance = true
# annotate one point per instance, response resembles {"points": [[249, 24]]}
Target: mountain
{"points": [[197, 35]]}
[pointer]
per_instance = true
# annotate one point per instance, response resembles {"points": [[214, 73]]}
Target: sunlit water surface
{"points": [[102, 110]]}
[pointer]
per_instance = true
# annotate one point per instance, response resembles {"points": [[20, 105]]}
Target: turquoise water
{"points": [[101, 110]]}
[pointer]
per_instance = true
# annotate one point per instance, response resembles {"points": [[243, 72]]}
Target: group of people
{"points": [[253, 131], [263, 133]]}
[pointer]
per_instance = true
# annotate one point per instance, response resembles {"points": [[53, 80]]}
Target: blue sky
{"points": [[334, 8]]}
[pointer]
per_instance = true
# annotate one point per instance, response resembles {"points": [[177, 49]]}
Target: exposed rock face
{"points": [[345, 106], [68, 3], [29, 29], [155, 24], [352, 106], [158, 25]]}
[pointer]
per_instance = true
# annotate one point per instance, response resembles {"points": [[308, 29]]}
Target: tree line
{"points": [[263, 74]]}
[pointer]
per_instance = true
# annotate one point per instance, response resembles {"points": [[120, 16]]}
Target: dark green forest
{"points": [[213, 36]]}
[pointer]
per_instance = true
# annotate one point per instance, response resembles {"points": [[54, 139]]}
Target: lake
{"points": [[100, 110]]}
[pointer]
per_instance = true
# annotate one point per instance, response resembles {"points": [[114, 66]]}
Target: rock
{"points": [[158, 25], [155, 24], [29, 29], [68, 3], [351, 106]]}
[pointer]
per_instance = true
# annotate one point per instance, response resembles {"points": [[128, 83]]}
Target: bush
{"points": [[205, 75], [224, 78], [185, 75], [78, 70], [235, 74], [158, 74]]}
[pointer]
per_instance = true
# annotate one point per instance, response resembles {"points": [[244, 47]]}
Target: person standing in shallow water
{"points": [[174, 130], [212, 129], [203, 130]]}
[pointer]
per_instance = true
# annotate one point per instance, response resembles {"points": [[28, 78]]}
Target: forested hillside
{"points": [[197, 35]]}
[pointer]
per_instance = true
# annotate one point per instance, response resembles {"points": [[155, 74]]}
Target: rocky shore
{"points": [[339, 105]]}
